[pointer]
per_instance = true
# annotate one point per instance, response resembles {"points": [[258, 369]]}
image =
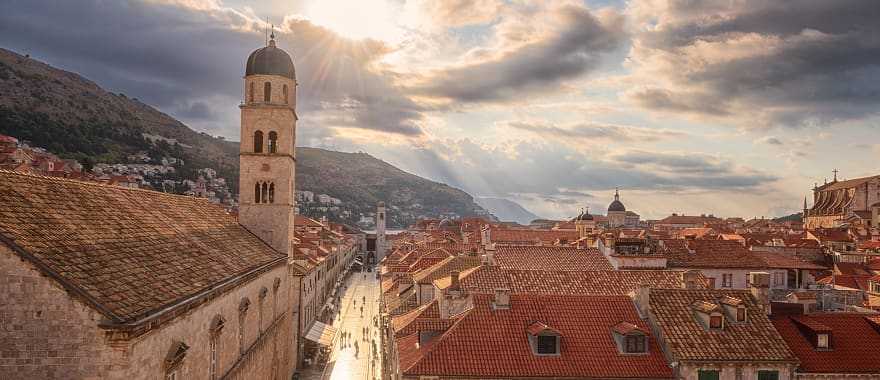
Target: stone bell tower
{"points": [[266, 154]]}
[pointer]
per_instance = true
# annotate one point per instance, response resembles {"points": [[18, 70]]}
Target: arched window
{"points": [[264, 193], [258, 142], [215, 329], [251, 93], [267, 92], [263, 293], [174, 359], [257, 193], [273, 142], [272, 193], [242, 314], [285, 93]]}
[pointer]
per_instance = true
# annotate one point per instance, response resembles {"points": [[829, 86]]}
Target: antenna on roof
{"points": [[835, 174]]}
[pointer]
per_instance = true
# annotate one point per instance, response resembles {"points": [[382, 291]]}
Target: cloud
{"points": [[187, 58], [528, 60], [581, 132], [454, 13], [757, 64], [770, 140]]}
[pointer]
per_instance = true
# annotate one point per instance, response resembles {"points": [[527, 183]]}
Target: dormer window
{"points": [[741, 314], [735, 308], [544, 340], [630, 339], [716, 321], [822, 341], [708, 314]]}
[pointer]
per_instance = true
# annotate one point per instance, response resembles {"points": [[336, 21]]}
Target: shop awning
{"points": [[321, 334]]}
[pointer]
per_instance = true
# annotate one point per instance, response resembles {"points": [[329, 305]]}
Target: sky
{"points": [[728, 107]]}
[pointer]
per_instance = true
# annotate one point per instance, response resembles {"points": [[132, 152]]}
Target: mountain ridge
{"points": [[73, 117]]}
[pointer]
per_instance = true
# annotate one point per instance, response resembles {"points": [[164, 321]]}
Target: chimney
{"points": [[691, 279], [642, 297], [454, 285], [759, 285], [502, 299], [489, 256]]}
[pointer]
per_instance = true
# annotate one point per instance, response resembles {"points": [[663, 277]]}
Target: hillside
{"points": [[75, 118], [507, 210]]}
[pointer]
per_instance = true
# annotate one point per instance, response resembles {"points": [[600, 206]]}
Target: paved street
{"points": [[353, 352]]}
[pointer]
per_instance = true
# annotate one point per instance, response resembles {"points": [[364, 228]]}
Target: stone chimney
{"points": [[759, 285], [691, 279], [489, 256], [454, 285], [642, 297], [502, 299]]}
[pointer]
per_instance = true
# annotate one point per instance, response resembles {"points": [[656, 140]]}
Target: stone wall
{"points": [[45, 333], [748, 371]]}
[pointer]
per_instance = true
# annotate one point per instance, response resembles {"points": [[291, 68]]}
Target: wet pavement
{"points": [[356, 349]]}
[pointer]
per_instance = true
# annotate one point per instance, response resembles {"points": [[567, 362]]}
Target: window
{"points": [[768, 375], [740, 314], [273, 142], [778, 279], [264, 193], [257, 193], [171, 375], [716, 322], [727, 280], [271, 193], [708, 374], [242, 314], [267, 92], [822, 341], [546, 345], [251, 93], [635, 344], [258, 142], [215, 330], [284, 88]]}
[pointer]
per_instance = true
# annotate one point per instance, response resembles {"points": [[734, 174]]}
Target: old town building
{"points": [[106, 282]]}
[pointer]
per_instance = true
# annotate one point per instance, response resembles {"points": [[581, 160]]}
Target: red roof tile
{"points": [[550, 258], [492, 343], [855, 343]]}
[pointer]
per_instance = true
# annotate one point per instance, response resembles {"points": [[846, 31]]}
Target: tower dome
{"points": [[584, 215], [616, 205], [270, 60]]}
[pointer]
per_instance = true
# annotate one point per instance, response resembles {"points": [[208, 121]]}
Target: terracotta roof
{"points": [[550, 258], [625, 328], [487, 343], [528, 236], [687, 219], [710, 254], [846, 281], [686, 339], [783, 261], [855, 343], [485, 279], [832, 234], [444, 268], [539, 327], [129, 252]]}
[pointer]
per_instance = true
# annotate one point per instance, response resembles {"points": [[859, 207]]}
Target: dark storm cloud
{"points": [[574, 50], [189, 62], [806, 61]]}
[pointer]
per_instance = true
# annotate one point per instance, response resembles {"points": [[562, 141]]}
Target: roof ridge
{"points": [[96, 184]]}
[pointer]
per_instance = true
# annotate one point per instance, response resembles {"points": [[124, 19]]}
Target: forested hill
{"points": [[73, 117]]}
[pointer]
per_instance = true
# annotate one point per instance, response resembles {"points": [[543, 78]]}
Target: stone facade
{"points": [[268, 160], [747, 371], [53, 335]]}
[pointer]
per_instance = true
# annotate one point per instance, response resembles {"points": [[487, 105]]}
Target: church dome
{"points": [[585, 215], [270, 60], [616, 205]]}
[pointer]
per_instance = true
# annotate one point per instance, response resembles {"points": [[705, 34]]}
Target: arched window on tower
{"points": [[264, 192], [284, 88], [273, 142], [251, 93], [258, 142], [257, 192], [267, 92], [271, 192]]}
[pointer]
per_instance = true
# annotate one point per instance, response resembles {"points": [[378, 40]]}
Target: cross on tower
{"points": [[835, 174]]}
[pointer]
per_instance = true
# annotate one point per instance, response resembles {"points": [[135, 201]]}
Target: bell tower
{"points": [[266, 155]]}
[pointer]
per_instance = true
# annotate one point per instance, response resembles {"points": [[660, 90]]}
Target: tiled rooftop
{"points": [[550, 258], [855, 342], [687, 339], [494, 343], [132, 252]]}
